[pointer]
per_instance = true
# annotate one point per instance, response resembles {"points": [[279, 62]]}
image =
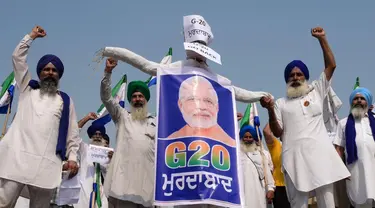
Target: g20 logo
{"points": [[176, 155], [199, 21]]}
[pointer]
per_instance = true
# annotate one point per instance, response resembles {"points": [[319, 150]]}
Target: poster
{"points": [[197, 139]]}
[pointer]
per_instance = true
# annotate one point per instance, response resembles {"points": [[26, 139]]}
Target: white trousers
{"points": [[11, 190], [299, 199]]}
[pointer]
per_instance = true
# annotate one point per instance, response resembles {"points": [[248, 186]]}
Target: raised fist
{"points": [[110, 64], [37, 32], [91, 116], [318, 32], [239, 116]]}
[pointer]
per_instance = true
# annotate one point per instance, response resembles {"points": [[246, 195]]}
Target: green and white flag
{"points": [[7, 92], [166, 60], [119, 94]]}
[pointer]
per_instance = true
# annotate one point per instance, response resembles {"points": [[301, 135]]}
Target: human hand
{"points": [[37, 32]]}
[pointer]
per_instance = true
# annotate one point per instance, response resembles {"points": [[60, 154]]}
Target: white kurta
{"points": [[28, 149], [252, 171], [130, 176], [361, 185], [151, 68], [308, 155]]}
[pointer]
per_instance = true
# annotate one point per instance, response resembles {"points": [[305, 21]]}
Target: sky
{"points": [[256, 40]]}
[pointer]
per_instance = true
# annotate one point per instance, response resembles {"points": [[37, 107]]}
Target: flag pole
{"points": [[261, 148], [6, 122]]}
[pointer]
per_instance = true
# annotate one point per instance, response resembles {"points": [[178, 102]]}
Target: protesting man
{"points": [[193, 59], [355, 136], [256, 192], [130, 178], [43, 134], [88, 174], [298, 120]]}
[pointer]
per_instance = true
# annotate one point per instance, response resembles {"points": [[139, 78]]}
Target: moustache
{"points": [[201, 113], [49, 79], [295, 83], [359, 106], [248, 141], [138, 104]]}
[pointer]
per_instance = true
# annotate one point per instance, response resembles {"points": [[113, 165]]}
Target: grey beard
{"points": [[358, 112], [139, 113], [48, 87]]}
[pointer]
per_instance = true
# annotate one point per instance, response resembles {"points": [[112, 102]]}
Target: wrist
{"points": [[108, 70], [32, 35]]}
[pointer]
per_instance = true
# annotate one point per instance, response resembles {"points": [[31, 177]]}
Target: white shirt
{"points": [[253, 175], [131, 173], [28, 149], [361, 185], [306, 145]]}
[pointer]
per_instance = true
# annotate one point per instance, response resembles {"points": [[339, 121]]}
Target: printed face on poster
{"points": [[196, 146]]}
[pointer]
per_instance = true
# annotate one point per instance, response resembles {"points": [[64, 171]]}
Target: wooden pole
{"points": [[261, 148], [6, 122]]}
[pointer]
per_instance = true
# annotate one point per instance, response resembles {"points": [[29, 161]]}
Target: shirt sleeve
{"points": [[278, 106], [340, 139], [247, 96], [114, 109], [20, 67], [133, 59], [322, 85], [74, 140], [271, 182]]}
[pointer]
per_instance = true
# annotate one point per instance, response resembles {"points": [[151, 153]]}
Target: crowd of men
{"points": [[43, 142]]}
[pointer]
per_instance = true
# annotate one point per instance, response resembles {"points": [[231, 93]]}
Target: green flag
{"points": [[356, 83], [6, 84], [246, 117]]}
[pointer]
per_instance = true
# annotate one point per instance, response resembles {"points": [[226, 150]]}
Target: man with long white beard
{"points": [[256, 192], [44, 132], [89, 172], [310, 161], [130, 177], [355, 136]]}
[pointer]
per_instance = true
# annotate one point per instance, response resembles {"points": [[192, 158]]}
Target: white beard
{"points": [[358, 112], [97, 143], [248, 147], [198, 123], [139, 113], [294, 92]]}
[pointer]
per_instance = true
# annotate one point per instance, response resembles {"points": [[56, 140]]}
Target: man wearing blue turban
{"points": [[89, 172], [256, 192], [355, 136], [43, 134], [298, 120]]}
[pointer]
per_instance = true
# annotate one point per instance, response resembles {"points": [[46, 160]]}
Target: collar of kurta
{"points": [[64, 121]]}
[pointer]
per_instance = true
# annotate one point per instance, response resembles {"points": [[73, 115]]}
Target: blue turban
{"points": [[54, 60], [350, 132], [251, 130], [299, 64], [364, 92], [93, 128]]}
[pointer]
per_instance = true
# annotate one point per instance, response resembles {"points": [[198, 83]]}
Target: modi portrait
{"points": [[199, 105]]}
